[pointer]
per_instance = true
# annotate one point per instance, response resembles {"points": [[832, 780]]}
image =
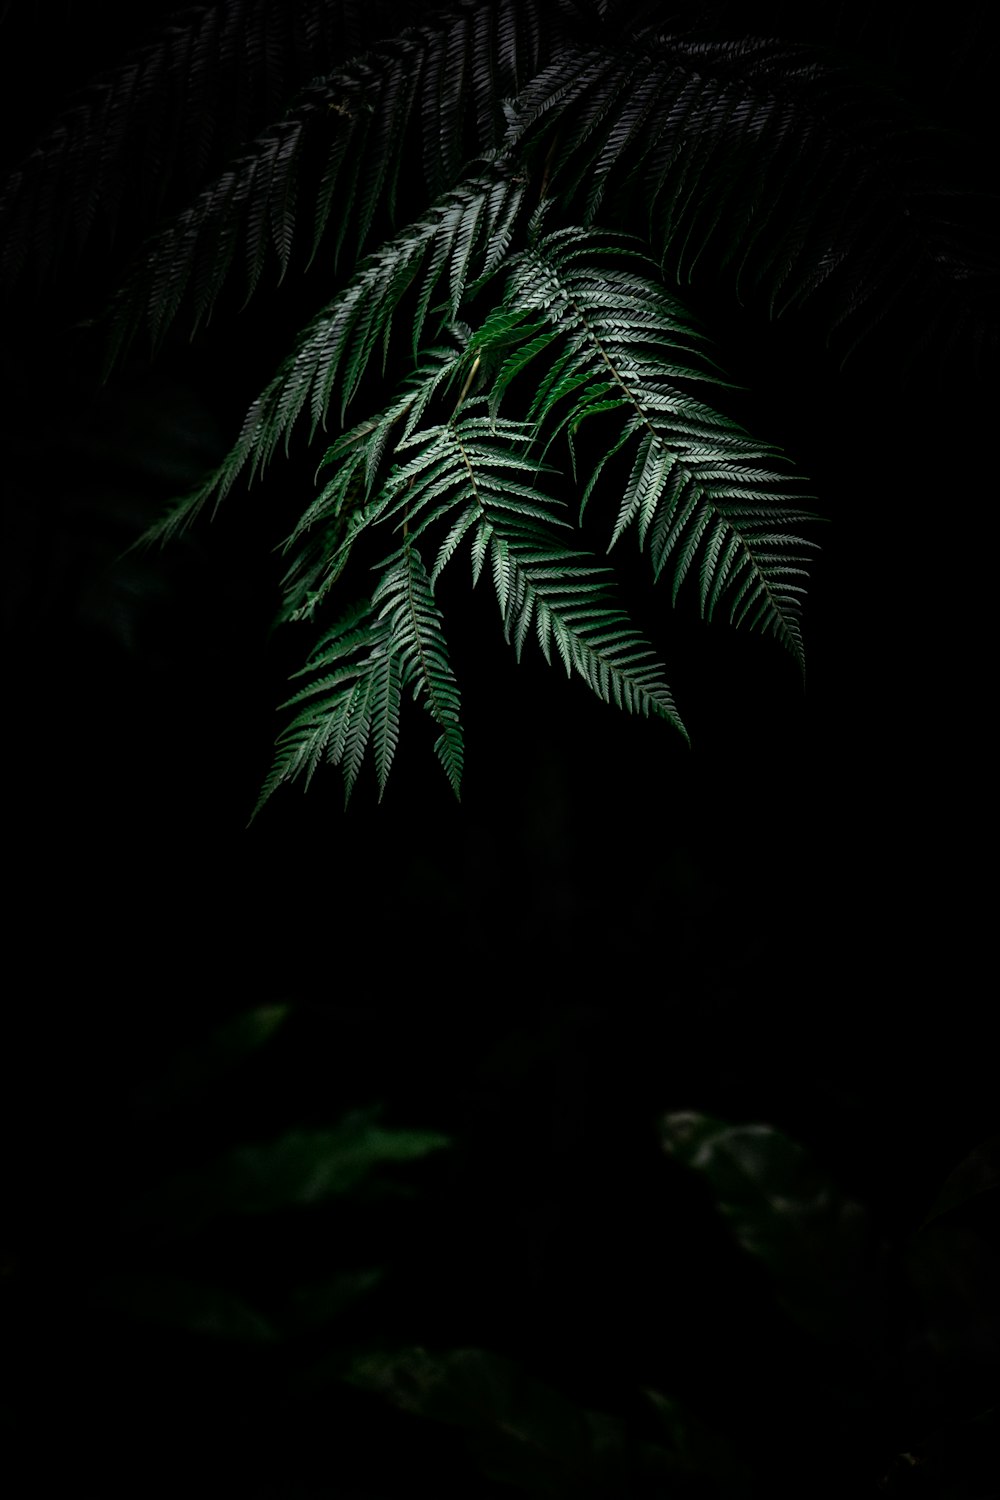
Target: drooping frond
{"points": [[470, 461], [722, 146], [464, 238], [349, 657], [416, 640], [477, 475], [359, 670], [600, 333], [505, 135], [569, 600], [418, 106], [348, 503], [173, 111]]}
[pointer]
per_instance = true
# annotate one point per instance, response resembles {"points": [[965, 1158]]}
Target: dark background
{"points": [[788, 922]]}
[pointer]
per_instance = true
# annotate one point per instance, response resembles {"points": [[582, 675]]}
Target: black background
{"points": [[790, 921]]}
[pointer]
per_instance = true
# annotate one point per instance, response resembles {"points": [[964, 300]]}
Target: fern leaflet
{"points": [[359, 669], [466, 233], [477, 472], [616, 340]]}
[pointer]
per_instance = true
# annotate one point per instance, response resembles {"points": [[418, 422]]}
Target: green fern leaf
{"points": [[337, 345], [182, 105], [365, 121], [394, 641], [722, 142], [506, 132], [480, 473], [320, 728], [416, 640], [698, 487]]}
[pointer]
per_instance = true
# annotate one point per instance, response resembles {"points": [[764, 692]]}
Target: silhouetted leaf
{"points": [[694, 1447], [214, 1056], [520, 1432], [814, 1241], [302, 1167]]}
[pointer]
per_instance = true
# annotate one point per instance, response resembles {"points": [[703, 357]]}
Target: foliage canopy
{"points": [[503, 203]]}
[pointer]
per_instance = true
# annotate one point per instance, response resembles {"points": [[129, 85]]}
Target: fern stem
{"points": [[465, 388]]}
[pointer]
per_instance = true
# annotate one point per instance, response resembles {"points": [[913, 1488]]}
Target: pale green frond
{"points": [[358, 724], [493, 143], [571, 600], [469, 460], [480, 548], [393, 642], [521, 530], [718, 145], [342, 142], [336, 346], [332, 713], [459, 529], [385, 716], [700, 488], [182, 105], [417, 643]]}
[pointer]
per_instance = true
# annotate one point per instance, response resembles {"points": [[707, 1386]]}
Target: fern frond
{"points": [[348, 656], [469, 461], [569, 599], [170, 113], [416, 639], [463, 236], [398, 108], [479, 472], [700, 487], [723, 143], [360, 668], [348, 502], [506, 132]]}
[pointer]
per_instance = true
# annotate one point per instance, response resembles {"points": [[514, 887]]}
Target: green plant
{"points": [[504, 202]]}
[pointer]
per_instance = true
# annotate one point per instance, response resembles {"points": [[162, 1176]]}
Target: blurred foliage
{"points": [[518, 1295], [815, 1242], [304, 1166]]}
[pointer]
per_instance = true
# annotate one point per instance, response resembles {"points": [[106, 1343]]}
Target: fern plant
{"points": [[502, 204]]}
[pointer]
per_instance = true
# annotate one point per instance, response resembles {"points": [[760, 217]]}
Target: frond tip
{"points": [[359, 669]]}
